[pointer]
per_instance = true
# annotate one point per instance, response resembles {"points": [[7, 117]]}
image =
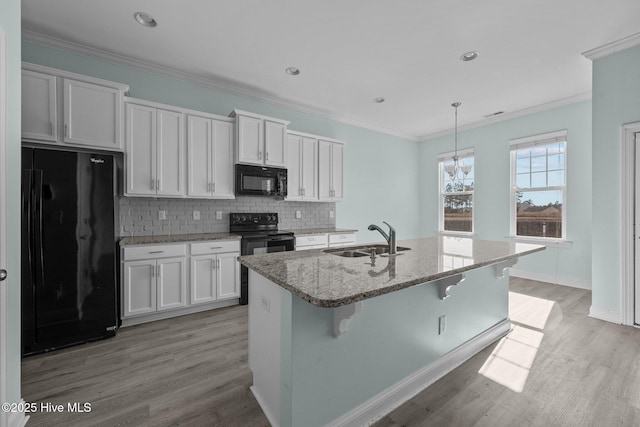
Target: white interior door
{"points": [[3, 235]]}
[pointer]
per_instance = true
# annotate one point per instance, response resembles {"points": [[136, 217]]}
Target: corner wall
{"points": [[568, 266], [616, 102]]}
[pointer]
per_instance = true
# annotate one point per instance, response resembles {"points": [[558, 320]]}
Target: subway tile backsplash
{"points": [[139, 216]]}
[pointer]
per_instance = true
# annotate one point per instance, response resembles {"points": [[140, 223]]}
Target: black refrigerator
{"points": [[69, 287]]}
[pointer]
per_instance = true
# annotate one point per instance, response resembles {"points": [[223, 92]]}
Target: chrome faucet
{"points": [[390, 238]]}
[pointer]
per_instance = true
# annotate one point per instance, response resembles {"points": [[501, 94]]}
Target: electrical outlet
{"points": [[266, 303], [330, 214], [442, 324], [298, 214], [218, 214], [196, 215], [162, 215]]}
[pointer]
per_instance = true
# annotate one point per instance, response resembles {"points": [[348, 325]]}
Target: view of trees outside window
{"points": [[457, 196], [539, 187]]}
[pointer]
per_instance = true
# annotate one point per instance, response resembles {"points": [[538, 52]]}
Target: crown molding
{"points": [[613, 47], [508, 116], [215, 83]]}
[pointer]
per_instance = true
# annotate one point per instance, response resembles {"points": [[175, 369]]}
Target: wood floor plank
{"points": [[192, 371]]}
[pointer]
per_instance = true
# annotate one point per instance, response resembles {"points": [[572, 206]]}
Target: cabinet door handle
{"points": [[218, 262], [266, 156], [259, 155], [213, 187], [66, 129], [213, 264], [153, 184], [152, 271]]}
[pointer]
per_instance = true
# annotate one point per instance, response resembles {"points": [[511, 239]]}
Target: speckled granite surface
{"points": [[176, 238], [328, 280], [322, 231]]}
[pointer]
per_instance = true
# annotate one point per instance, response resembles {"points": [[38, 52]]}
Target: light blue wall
{"points": [[492, 193], [616, 101], [10, 22], [381, 171]]}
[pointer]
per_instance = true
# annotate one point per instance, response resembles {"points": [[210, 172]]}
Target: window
{"points": [[538, 181], [456, 194]]}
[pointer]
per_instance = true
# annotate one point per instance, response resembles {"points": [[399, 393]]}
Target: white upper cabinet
{"points": [[154, 154], [39, 118], [70, 109], [302, 167], [92, 115], [331, 170], [210, 157], [260, 140]]}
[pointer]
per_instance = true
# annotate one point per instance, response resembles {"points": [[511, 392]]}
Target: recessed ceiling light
{"points": [[145, 19], [378, 100], [469, 56], [292, 71]]}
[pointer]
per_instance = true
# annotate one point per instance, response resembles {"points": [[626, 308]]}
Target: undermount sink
{"points": [[359, 251]]}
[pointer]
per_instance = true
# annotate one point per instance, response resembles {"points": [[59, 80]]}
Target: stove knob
{"points": [[243, 218]]}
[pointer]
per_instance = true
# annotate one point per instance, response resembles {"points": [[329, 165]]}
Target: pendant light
{"points": [[457, 166]]}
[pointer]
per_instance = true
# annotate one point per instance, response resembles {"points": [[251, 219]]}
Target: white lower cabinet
{"points": [[160, 281], [342, 239], [154, 279], [215, 271], [311, 241]]}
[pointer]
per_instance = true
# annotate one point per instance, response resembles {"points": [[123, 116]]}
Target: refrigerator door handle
{"points": [[27, 215], [39, 251]]}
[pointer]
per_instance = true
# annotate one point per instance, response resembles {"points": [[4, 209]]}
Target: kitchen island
{"points": [[336, 338]]}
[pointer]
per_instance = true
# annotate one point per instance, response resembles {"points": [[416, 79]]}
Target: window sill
{"points": [[555, 243], [456, 234]]}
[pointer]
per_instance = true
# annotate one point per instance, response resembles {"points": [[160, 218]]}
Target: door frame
{"points": [[3, 226], [630, 191]]}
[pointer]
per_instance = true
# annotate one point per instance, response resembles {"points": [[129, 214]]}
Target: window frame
{"points": [[442, 158], [532, 142]]}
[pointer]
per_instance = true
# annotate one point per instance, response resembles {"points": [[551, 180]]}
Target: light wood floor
{"points": [[558, 367]]}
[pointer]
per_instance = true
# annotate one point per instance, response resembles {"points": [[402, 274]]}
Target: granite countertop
{"points": [[302, 232], [328, 280], [176, 238]]}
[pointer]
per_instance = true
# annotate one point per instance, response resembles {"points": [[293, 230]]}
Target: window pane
{"points": [[538, 164], [539, 213], [539, 151], [522, 165], [556, 162], [523, 180], [538, 179], [523, 154], [458, 212], [556, 178], [556, 148]]}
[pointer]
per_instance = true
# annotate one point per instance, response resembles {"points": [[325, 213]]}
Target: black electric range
{"points": [[260, 235]]}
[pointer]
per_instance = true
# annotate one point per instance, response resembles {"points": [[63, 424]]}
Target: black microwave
{"points": [[261, 181]]}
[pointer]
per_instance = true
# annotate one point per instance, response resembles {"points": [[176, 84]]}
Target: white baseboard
{"points": [[136, 320], [380, 405], [551, 278], [272, 420], [605, 314], [18, 419]]}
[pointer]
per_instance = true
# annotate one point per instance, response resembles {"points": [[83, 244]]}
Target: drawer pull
{"points": [[156, 252], [216, 247]]}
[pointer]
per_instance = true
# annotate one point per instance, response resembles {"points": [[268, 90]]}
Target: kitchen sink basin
{"points": [[360, 251]]}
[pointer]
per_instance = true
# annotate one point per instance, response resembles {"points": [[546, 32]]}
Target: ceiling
{"points": [[352, 51]]}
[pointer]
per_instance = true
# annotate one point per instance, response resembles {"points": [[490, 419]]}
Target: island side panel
{"points": [[265, 340], [394, 336]]}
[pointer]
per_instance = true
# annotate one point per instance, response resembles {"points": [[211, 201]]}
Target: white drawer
{"points": [[342, 238], [311, 240], [215, 246], [307, 248], [132, 253]]}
